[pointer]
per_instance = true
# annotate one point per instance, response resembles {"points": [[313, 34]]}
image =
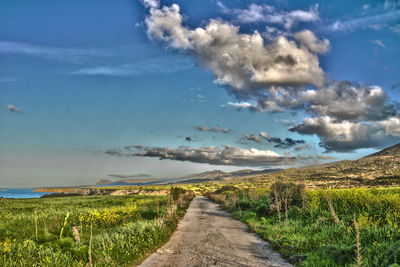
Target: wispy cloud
{"points": [[378, 43], [147, 66], [396, 29], [391, 4], [265, 13], [302, 147], [284, 143], [13, 108], [198, 98], [242, 105], [373, 21], [73, 55], [215, 129], [277, 141], [96, 61], [8, 80], [251, 137]]}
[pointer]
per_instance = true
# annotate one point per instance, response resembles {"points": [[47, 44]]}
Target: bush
{"points": [[225, 188], [262, 210], [249, 216], [292, 192], [176, 192], [244, 204], [339, 254]]}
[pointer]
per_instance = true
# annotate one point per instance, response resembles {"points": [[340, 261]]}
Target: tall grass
{"points": [[113, 230]]}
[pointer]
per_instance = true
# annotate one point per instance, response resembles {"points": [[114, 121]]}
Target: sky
{"points": [[95, 88]]}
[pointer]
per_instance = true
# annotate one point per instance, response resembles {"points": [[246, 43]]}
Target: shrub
{"points": [[225, 188], [176, 192], [244, 204], [290, 191], [339, 254], [262, 210]]}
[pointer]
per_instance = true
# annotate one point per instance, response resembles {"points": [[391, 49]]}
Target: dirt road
{"points": [[207, 236]]}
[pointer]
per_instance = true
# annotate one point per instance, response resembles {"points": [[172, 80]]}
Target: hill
{"points": [[390, 151], [378, 169], [208, 176]]}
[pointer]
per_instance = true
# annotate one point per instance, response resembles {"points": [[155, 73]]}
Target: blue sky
{"points": [[82, 80]]}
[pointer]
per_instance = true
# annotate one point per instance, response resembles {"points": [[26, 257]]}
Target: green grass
{"points": [[125, 229], [310, 236]]}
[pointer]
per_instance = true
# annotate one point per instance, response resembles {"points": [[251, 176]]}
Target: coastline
{"points": [[20, 193]]}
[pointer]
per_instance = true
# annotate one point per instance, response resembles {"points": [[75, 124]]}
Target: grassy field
{"points": [[91, 230], [342, 227]]}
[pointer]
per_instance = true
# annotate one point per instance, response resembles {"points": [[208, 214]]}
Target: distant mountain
{"points": [[103, 181], [208, 176], [217, 175], [378, 169], [135, 176]]}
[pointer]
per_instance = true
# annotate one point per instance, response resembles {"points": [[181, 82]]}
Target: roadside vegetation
{"points": [[323, 227], [87, 231]]}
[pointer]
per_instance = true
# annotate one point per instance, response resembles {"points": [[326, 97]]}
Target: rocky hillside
{"points": [[390, 151], [378, 169]]}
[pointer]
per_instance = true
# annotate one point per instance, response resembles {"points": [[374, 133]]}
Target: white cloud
{"points": [[140, 67], [8, 80], [151, 3], [264, 135], [391, 4], [73, 55], [346, 136], [378, 43], [396, 29], [308, 39], [241, 105], [391, 126], [242, 61], [366, 7], [198, 98], [272, 33], [350, 116], [347, 101], [13, 108], [265, 13], [374, 21], [229, 155]]}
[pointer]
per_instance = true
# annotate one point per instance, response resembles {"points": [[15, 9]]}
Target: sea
{"points": [[20, 193]]}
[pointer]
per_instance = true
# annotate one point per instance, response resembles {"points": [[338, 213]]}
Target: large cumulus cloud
{"points": [[241, 61], [350, 116], [348, 101], [283, 75]]}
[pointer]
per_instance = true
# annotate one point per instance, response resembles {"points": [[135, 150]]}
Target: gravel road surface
{"points": [[207, 236]]}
